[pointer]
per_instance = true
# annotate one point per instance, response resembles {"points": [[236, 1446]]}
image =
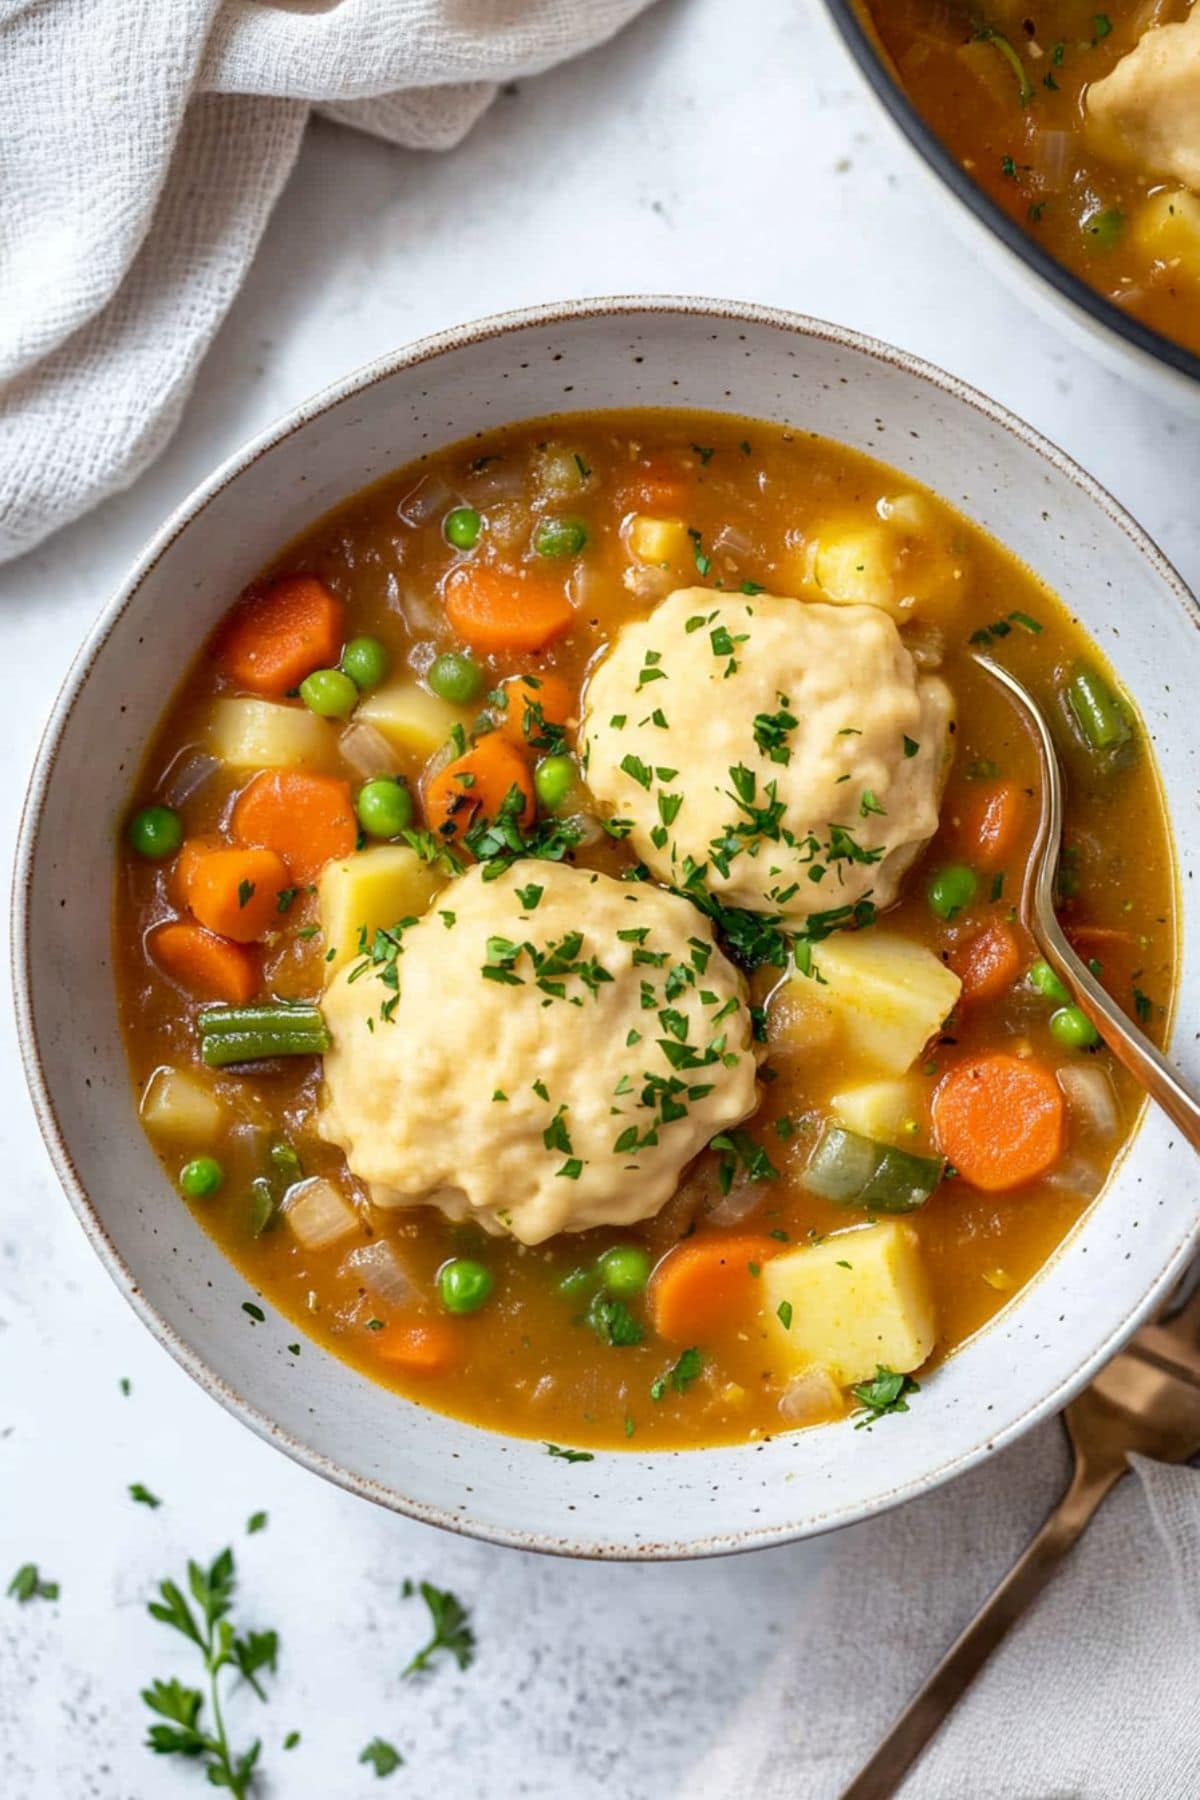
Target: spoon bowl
{"points": [[1131, 1047]]}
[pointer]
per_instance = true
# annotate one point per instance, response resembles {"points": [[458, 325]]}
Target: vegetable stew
{"points": [[567, 943]]}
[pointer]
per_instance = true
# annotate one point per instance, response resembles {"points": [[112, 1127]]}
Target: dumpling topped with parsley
{"points": [[787, 755], [553, 1047]]}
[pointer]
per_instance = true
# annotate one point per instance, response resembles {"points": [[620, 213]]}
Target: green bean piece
{"points": [[1097, 711], [237, 1034], [852, 1170], [264, 1204]]}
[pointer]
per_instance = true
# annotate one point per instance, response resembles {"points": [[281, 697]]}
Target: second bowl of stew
{"points": [[565, 1002], [1072, 137]]}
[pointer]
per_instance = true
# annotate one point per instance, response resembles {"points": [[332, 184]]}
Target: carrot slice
{"points": [[210, 967], [476, 785], [307, 819], [235, 892], [701, 1284], [521, 720], [505, 614], [1001, 1120], [658, 486], [277, 635], [989, 963], [993, 821], [422, 1347]]}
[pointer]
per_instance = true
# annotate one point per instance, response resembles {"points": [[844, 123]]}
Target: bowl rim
{"points": [[847, 21], [489, 329]]}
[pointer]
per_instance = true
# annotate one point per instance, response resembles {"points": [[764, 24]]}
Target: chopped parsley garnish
{"points": [[783, 1313], [613, 1322], [245, 893], [141, 1493], [451, 1629], [911, 746], [381, 1756], [571, 1456], [27, 1584], [885, 1393], [771, 732], [688, 1369], [529, 896], [637, 770], [255, 1523], [703, 562]]}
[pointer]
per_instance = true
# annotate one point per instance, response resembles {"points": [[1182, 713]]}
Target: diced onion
{"points": [[1090, 1096], [742, 1199], [1078, 1176], [367, 751], [318, 1213], [1050, 159], [501, 480], [811, 1397], [377, 1268], [589, 828], [926, 644], [430, 499], [187, 775], [731, 541]]}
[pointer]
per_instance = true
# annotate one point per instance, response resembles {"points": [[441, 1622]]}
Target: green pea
{"points": [[1103, 228], [1043, 980], [156, 832], [576, 1282], [455, 677], [366, 661], [462, 527], [553, 780], [951, 889], [384, 806], [464, 1284], [625, 1269], [329, 693], [1073, 1029], [559, 537], [201, 1178]]}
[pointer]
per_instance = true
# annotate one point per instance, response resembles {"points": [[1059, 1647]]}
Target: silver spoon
{"points": [[1131, 1047]]}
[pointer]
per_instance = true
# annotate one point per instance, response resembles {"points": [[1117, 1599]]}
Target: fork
{"points": [[1146, 1400]]}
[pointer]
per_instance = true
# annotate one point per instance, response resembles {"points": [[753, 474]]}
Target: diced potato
{"points": [[318, 1214], [657, 541], [180, 1107], [262, 734], [857, 562], [413, 720], [1167, 227], [851, 1319], [888, 1112], [890, 995], [371, 889], [897, 558]]}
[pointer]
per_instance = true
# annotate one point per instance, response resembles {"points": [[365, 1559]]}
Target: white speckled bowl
{"points": [[1117, 1265]]}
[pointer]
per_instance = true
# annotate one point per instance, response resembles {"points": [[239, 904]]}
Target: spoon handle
{"points": [[925, 1712]]}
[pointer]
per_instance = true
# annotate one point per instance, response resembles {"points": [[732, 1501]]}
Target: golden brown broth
{"points": [[528, 1363], [971, 98]]}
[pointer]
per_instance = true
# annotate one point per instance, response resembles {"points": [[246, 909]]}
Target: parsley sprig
{"points": [[451, 1628], [886, 1392], [180, 1729]]}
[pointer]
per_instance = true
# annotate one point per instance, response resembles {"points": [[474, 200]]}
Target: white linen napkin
{"points": [[144, 143], [1094, 1696]]}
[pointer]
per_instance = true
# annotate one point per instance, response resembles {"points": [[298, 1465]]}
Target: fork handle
{"points": [[883, 1774]]}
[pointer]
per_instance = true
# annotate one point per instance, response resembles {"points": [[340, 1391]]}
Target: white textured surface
{"points": [[712, 149]]}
